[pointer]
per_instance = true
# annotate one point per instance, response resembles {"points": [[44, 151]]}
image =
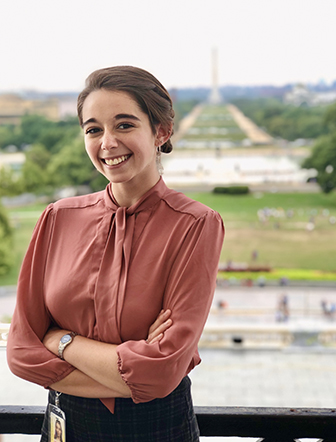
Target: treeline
{"points": [[182, 108], [35, 129], [283, 120], [292, 122], [55, 154], [55, 157], [323, 156]]}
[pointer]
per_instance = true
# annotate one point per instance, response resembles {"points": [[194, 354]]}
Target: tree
{"points": [[4, 136], [6, 243], [9, 184], [323, 159], [55, 157], [9, 135], [39, 155], [33, 126], [33, 178], [36, 129], [330, 118], [71, 166], [283, 120], [55, 137], [323, 156]]}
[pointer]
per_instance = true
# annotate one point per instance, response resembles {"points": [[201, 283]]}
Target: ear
{"points": [[163, 134]]}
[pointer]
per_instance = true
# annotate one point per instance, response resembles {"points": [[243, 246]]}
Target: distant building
{"points": [[14, 106], [300, 95]]}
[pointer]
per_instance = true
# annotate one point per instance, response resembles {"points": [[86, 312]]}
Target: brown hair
{"points": [[151, 96]]}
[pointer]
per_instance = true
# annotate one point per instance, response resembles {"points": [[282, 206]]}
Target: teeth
{"points": [[116, 160]]}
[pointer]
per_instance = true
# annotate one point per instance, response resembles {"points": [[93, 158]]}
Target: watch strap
{"points": [[63, 345]]}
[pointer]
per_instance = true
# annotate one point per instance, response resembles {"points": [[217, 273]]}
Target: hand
{"points": [[155, 334], [157, 329], [52, 338]]}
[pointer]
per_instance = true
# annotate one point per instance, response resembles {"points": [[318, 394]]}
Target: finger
{"points": [[158, 334], [159, 330], [162, 328], [156, 339], [163, 316]]}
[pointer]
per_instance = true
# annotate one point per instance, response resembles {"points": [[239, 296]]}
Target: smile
{"points": [[116, 161]]}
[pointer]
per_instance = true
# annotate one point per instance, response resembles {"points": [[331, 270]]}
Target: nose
{"points": [[108, 141]]}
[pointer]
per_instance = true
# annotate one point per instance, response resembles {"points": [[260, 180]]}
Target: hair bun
{"points": [[167, 147]]}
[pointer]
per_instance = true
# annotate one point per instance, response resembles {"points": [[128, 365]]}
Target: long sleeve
{"points": [[105, 272], [27, 357], [154, 370]]}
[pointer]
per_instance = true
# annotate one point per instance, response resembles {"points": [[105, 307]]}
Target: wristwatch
{"points": [[64, 342]]}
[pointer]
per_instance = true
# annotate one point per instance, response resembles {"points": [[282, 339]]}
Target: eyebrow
{"points": [[117, 117], [129, 116], [90, 120]]}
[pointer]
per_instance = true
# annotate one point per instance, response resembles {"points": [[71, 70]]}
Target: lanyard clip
{"points": [[58, 394]]}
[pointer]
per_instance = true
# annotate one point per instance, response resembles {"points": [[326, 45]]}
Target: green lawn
{"points": [[282, 240], [209, 124]]}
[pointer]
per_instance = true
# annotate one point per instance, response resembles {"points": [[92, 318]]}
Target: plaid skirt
{"points": [[170, 419]]}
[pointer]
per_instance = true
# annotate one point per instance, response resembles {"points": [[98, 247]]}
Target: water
{"points": [[180, 168]]}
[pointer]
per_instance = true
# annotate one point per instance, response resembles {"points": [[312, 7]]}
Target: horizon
{"points": [[319, 84]]}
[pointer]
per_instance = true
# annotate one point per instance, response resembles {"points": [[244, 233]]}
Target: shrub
{"points": [[232, 190]]}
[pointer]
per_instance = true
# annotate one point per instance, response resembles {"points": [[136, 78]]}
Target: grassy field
{"points": [[289, 231], [280, 234], [213, 124]]}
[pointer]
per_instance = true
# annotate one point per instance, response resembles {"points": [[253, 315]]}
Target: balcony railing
{"points": [[267, 424]]}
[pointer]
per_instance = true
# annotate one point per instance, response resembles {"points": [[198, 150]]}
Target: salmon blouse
{"points": [[105, 272]]}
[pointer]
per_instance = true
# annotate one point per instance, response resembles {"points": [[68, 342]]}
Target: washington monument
{"points": [[215, 97]]}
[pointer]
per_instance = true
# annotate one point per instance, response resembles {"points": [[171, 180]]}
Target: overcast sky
{"points": [[52, 45]]}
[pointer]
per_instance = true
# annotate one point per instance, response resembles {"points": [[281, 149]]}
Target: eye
{"points": [[92, 131], [125, 126]]}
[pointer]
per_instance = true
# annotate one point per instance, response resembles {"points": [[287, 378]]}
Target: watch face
{"points": [[65, 339]]}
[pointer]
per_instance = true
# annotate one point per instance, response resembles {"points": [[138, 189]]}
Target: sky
{"points": [[51, 45]]}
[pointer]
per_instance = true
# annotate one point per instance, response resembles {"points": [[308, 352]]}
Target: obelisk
{"points": [[215, 97]]}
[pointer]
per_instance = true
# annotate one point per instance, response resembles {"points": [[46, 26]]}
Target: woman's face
{"points": [[119, 139], [58, 430]]}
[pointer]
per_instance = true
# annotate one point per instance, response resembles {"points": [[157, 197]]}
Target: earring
{"points": [[158, 160]]}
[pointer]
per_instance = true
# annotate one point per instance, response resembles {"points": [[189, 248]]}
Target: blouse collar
{"points": [[149, 199]]}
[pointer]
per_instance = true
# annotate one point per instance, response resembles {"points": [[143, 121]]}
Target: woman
{"points": [[102, 268], [58, 436]]}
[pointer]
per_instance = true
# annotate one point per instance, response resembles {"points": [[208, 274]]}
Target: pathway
{"points": [[186, 123], [253, 132]]}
